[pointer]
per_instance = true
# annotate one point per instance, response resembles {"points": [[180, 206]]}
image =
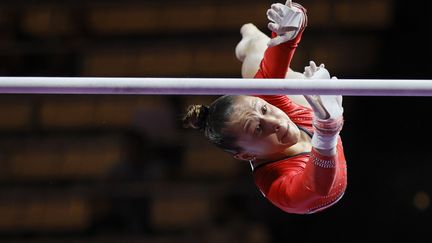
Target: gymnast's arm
{"points": [[287, 23], [276, 60], [277, 57], [250, 51], [319, 182], [327, 124]]}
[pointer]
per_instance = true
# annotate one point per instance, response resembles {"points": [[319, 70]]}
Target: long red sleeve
{"points": [[280, 55]]}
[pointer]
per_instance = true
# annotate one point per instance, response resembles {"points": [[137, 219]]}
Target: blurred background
{"points": [[104, 168]]}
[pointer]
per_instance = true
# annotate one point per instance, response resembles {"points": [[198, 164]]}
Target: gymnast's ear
{"points": [[245, 156]]}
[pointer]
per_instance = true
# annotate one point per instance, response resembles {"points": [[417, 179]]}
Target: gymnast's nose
{"points": [[273, 124]]}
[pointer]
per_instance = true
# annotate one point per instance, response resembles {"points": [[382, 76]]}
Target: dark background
{"points": [[101, 168]]}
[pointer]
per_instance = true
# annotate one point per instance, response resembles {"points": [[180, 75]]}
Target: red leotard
{"points": [[295, 184]]}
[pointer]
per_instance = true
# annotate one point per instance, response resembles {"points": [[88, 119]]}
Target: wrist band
{"points": [[318, 160], [324, 163], [329, 126], [326, 132]]}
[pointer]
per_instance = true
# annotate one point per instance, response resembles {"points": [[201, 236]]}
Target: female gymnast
{"points": [[295, 151]]}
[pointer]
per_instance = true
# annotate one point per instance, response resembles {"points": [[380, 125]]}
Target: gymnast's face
{"points": [[263, 130]]}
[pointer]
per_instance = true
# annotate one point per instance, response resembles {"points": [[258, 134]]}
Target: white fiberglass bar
{"points": [[213, 86]]}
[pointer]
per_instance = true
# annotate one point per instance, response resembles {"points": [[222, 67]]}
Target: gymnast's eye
{"points": [[258, 130], [264, 109]]}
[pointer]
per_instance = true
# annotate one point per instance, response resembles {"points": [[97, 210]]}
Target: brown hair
{"points": [[212, 121]]}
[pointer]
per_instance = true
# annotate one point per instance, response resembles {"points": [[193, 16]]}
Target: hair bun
{"points": [[196, 116]]}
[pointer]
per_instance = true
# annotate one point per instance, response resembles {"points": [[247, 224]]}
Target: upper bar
{"points": [[213, 86]]}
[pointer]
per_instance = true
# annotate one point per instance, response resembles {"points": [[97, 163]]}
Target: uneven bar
{"points": [[213, 86]]}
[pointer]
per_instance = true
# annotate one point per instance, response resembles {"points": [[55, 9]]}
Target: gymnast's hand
{"points": [[324, 106], [286, 21], [328, 110]]}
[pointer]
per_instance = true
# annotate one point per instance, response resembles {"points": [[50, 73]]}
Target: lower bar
{"points": [[213, 86]]}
